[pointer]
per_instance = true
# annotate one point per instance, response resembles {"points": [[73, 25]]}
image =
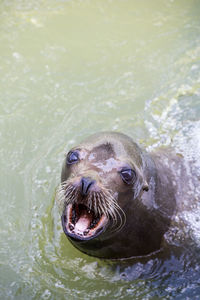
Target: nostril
{"points": [[86, 183]]}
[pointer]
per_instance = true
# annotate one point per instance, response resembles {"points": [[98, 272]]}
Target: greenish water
{"points": [[69, 69]]}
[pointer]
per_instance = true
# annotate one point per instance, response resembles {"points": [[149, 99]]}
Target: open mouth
{"points": [[79, 222]]}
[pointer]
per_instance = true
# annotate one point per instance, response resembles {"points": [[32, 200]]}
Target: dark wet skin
{"points": [[143, 185]]}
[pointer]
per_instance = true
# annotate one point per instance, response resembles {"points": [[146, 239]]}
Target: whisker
{"points": [[101, 202]]}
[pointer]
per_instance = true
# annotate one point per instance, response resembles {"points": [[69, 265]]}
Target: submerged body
{"points": [[118, 201]]}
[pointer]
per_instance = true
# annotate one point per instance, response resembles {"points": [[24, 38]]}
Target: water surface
{"points": [[69, 69]]}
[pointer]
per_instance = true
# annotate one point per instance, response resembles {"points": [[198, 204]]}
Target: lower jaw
{"points": [[80, 239], [95, 247]]}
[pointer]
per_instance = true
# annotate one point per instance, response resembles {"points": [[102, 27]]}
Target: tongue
{"points": [[83, 222]]}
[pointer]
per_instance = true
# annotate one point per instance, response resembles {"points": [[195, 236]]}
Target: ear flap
{"points": [[145, 186]]}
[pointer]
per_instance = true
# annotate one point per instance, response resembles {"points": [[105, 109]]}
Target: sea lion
{"points": [[116, 200]]}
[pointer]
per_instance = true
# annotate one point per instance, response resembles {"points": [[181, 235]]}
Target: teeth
{"points": [[86, 232], [73, 215], [71, 226]]}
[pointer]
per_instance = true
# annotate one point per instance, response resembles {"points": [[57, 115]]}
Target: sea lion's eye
{"points": [[128, 175], [72, 157]]}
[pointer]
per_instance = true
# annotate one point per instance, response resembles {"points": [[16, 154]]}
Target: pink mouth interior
{"points": [[83, 222]]}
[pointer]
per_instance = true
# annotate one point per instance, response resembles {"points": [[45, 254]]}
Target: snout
{"points": [[86, 184]]}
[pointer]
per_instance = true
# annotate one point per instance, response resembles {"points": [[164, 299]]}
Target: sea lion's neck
{"points": [[165, 183]]}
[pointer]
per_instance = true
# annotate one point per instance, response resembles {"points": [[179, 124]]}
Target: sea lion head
{"points": [[99, 178]]}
